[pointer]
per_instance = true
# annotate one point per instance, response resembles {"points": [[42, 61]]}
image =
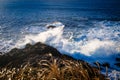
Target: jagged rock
{"points": [[51, 26], [34, 54], [29, 53]]}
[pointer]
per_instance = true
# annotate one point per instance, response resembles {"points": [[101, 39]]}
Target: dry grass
{"points": [[52, 69]]}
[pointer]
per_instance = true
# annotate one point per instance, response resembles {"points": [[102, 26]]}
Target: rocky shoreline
{"points": [[43, 62]]}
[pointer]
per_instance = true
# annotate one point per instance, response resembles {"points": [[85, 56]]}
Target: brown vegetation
{"points": [[42, 62]]}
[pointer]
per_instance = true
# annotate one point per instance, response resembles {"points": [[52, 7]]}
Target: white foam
{"points": [[47, 36], [91, 46], [114, 75], [97, 41]]}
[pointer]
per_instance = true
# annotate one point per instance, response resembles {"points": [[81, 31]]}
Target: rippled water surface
{"points": [[88, 34]]}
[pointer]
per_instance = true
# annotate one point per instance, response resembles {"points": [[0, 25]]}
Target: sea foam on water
{"points": [[93, 42], [98, 43]]}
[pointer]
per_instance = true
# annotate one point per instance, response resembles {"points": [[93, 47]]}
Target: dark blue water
{"points": [[15, 18], [92, 34]]}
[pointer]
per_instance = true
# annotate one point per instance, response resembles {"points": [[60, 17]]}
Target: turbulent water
{"points": [[91, 35]]}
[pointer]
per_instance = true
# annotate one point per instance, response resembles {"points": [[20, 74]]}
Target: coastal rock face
{"points": [[17, 57], [45, 62]]}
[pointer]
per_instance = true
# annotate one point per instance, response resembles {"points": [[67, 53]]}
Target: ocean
{"points": [[86, 34]]}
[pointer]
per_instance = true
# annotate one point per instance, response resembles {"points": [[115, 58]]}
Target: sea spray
{"points": [[94, 44], [94, 41]]}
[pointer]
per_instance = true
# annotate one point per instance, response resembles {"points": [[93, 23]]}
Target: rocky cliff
{"points": [[40, 61]]}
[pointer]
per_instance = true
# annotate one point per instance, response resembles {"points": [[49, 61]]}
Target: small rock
{"points": [[51, 26]]}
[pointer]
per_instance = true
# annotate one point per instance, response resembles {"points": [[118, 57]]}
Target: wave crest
{"points": [[96, 41]]}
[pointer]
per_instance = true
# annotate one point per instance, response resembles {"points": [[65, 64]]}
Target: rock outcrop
{"points": [[43, 57]]}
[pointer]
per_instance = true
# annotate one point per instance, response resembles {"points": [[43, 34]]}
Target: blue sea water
{"points": [[88, 34]]}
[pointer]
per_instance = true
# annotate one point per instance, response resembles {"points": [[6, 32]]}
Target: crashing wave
{"points": [[94, 42]]}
